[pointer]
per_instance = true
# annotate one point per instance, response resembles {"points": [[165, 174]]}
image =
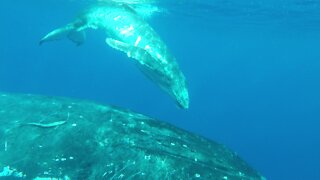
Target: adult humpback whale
{"points": [[70, 139], [128, 32]]}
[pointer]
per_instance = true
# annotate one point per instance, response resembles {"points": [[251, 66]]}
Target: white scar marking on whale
{"points": [[148, 48], [137, 41], [163, 60], [127, 31], [117, 18]]}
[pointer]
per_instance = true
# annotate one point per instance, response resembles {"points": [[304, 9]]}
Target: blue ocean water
{"points": [[252, 69]]}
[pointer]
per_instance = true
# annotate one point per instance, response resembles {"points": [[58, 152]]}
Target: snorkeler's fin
{"points": [[75, 35]]}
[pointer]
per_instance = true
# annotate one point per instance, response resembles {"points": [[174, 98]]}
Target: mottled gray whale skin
{"points": [[127, 31], [103, 142]]}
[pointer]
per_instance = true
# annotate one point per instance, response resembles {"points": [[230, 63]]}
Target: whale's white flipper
{"points": [[143, 60], [140, 55]]}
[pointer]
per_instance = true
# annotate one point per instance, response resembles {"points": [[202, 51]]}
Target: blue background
{"points": [[252, 69]]}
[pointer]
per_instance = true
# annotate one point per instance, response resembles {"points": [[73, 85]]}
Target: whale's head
{"points": [[182, 98], [180, 93], [172, 82]]}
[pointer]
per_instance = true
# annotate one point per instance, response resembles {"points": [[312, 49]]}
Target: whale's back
{"points": [[104, 142]]}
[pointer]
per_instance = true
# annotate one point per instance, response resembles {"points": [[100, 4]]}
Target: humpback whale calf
{"points": [[127, 31]]}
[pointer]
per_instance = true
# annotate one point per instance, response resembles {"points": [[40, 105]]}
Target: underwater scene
{"points": [[160, 89]]}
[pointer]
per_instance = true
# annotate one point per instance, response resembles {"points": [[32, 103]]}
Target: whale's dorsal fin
{"points": [[70, 31]]}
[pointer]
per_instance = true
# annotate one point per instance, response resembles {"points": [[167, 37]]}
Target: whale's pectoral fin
{"points": [[69, 31], [140, 55], [77, 37], [144, 61]]}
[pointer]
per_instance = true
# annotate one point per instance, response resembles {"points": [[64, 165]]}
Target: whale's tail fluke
{"points": [[70, 31]]}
